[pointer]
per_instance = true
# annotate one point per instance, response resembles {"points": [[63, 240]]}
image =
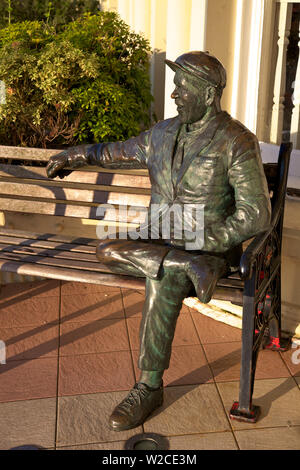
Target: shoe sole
{"points": [[132, 426]]}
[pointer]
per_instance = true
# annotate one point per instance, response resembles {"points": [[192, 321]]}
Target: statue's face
{"points": [[190, 96]]}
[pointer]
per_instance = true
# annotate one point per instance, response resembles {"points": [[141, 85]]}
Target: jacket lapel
{"points": [[169, 143], [198, 143]]}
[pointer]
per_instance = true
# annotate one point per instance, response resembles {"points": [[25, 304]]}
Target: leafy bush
{"points": [[54, 12], [87, 83]]}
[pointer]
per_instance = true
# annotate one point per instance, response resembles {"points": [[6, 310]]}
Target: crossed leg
{"points": [[165, 291], [170, 277]]}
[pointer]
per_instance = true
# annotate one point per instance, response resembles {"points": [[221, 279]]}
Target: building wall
{"points": [[221, 18]]}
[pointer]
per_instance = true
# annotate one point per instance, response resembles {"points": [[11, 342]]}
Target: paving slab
{"points": [[91, 307], [23, 290], [38, 310], [30, 422], [83, 419], [133, 302], [31, 341], [189, 410], [118, 445], [28, 379], [279, 438], [211, 441], [278, 398], [93, 337], [292, 360], [99, 372], [225, 359], [71, 288], [212, 331]]}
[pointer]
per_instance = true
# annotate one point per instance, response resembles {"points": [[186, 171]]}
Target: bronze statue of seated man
{"points": [[201, 158]]}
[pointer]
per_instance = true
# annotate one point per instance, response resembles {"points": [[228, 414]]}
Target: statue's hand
{"points": [[73, 157], [56, 164]]}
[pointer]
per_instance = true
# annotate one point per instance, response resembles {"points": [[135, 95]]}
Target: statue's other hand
{"points": [[56, 165], [73, 157]]}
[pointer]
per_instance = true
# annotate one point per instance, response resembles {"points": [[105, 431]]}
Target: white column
{"points": [[177, 42], [266, 72], [256, 32], [247, 55], [153, 13], [158, 46], [109, 5], [237, 55], [285, 18], [295, 122], [142, 17], [198, 25], [124, 10]]}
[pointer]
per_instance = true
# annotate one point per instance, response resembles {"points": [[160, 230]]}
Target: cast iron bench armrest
{"points": [[252, 251], [256, 246], [249, 256]]}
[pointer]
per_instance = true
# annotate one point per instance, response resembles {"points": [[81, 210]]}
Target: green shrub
{"points": [[54, 12], [87, 83]]}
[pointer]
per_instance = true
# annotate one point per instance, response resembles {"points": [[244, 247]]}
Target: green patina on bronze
{"points": [[201, 156]]}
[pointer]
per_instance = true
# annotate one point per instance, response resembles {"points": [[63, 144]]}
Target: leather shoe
{"points": [[136, 407]]}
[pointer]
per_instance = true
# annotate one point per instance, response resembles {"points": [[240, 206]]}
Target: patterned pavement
{"points": [[71, 352]]}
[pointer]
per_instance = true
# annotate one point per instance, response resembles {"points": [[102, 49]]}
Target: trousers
{"points": [[166, 288]]}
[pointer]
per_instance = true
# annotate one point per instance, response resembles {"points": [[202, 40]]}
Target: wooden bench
{"points": [[25, 189]]}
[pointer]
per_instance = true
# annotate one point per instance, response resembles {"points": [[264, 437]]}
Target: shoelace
{"points": [[135, 396]]}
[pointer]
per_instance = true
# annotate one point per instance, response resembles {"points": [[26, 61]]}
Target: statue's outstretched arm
{"points": [[132, 153]]}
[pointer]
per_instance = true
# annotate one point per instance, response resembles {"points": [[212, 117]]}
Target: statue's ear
{"points": [[210, 95]]}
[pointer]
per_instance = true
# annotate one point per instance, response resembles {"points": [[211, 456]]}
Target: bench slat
{"points": [[56, 185], [82, 177], [29, 153], [25, 242], [58, 262], [49, 252], [231, 295], [47, 237], [60, 208], [232, 283], [66, 274], [73, 195]]}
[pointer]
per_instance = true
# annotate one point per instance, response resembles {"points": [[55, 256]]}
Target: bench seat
{"points": [[65, 258]]}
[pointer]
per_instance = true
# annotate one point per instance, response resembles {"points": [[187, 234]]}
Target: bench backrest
{"points": [[25, 188]]}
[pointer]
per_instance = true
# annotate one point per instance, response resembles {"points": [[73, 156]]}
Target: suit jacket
{"points": [[222, 169]]}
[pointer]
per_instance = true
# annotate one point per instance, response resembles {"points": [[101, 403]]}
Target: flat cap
{"points": [[202, 65]]}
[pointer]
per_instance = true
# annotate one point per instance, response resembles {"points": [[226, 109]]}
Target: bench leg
{"points": [[244, 410], [273, 339]]}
